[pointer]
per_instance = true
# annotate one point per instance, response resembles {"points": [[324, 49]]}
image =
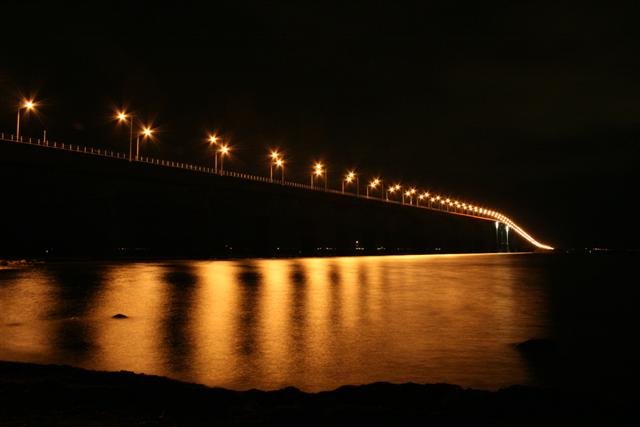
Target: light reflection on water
{"points": [[313, 323]]}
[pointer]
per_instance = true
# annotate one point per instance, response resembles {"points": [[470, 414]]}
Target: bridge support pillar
{"points": [[502, 237]]}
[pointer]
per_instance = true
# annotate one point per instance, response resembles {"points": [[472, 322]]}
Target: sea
{"points": [[319, 323]]}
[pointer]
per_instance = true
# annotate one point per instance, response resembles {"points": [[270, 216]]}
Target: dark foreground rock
{"points": [[44, 395], [119, 316]]}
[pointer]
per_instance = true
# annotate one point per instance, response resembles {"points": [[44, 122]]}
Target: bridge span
{"points": [[27, 151]]}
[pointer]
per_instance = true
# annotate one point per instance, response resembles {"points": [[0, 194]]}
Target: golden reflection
{"points": [[313, 336], [248, 330], [215, 340], [134, 343], [24, 331], [274, 325], [312, 323]]}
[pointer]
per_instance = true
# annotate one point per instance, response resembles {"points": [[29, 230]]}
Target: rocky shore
{"points": [[62, 395]]}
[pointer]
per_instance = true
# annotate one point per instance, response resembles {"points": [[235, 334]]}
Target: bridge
{"points": [[411, 199]]}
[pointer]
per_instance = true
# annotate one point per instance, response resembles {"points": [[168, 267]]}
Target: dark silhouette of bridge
{"points": [[216, 211]]}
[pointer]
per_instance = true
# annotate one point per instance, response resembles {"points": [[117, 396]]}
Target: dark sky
{"points": [[533, 109]]}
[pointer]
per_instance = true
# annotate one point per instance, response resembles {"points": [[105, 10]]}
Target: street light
{"points": [[392, 189], [213, 140], [275, 157], [146, 132], [122, 116], [410, 193], [423, 196], [27, 105], [280, 164], [224, 151], [349, 178], [318, 171], [373, 184]]}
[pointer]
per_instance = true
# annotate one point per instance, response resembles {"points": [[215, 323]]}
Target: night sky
{"points": [[531, 109]]}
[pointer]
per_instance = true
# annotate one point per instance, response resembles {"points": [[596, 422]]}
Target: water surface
{"points": [[312, 323]]}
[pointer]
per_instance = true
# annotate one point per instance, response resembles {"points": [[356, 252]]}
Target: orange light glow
{"points": [[213, 139], [29, 104], [350, 176], [147, 132]]}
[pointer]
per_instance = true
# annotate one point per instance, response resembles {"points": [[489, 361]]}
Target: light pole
{"points": [[373, 184], [506, 232], [392, 189], [224, 151], [275, 156], [319, 170], [146, 132], [122, 116], [280, 164], [27, 105], [213, 140], [424, 196], [410, 193], [349, 178]]}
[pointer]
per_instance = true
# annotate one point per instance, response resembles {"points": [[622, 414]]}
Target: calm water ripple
{"points": [[313, 323]]}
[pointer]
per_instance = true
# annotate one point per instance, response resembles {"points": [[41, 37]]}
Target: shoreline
{"points": [[35, 394], [8, 262], [17, 262]]}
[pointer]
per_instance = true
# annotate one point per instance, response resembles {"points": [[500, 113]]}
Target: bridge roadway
{"points": [[484, 214]]}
